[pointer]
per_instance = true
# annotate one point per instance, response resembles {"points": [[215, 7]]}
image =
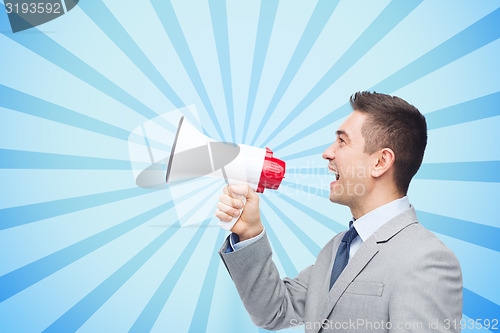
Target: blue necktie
{"points": [[342, 257]]}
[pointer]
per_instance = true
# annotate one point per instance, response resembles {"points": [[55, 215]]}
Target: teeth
{"points": [[337, 176]]}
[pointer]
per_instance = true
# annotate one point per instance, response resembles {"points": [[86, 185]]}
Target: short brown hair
{"points": [[393, 123]]}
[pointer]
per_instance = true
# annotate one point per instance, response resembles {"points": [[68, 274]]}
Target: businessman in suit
{"points": [[386, 273]]}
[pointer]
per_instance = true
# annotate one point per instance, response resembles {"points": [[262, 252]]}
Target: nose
{"points": [[329, 153]]}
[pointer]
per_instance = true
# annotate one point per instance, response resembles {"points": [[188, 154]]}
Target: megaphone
{"points": [[195, 155], [170, 151]]}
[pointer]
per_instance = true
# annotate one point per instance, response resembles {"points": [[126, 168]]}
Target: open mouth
{"points": [[337, 175]]}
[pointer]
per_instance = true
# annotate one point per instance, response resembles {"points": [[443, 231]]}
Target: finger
{"points": [[234, 203], [239, 191], [227, 209], [227, 190], [223, 216]]}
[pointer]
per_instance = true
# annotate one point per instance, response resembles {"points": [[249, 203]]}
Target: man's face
{"points": [[349, 162]]}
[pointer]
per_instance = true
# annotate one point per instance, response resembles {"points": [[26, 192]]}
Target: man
{"points": [[387, 273]]}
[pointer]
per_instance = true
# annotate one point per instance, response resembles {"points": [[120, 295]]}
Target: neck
{"points": [[372, 201]]}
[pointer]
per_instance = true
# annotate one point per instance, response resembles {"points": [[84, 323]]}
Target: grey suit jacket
{"points": [[401, 279]]}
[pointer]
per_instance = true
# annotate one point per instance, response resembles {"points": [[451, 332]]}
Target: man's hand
{"points": [[230, 202]]}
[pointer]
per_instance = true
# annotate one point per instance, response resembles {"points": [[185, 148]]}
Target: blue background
{"points": [[82, 248]]}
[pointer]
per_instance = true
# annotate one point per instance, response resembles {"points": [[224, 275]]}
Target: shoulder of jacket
{"points": [[425, 244]]}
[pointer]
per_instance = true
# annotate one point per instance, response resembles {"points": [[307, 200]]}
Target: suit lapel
{"points": [[363, 256]]}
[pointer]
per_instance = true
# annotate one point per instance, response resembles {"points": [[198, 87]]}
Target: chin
{"points": [[338, 199]]}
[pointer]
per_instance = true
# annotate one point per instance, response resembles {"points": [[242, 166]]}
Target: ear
{"points": [[384, 160]]}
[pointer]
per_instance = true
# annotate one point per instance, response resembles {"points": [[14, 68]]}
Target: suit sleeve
{"points": [[271, 302], [428, 295]]}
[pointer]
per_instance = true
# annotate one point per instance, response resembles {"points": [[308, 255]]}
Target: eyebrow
{"points": [[341, 132]]}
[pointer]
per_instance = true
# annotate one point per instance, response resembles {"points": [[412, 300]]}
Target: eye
{"points": [[341, 140]]}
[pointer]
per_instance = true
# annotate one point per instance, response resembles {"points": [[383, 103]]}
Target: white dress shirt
{"points": [[367, 224]]}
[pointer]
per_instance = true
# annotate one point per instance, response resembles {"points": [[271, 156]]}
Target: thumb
{"points": [[252, 197]]}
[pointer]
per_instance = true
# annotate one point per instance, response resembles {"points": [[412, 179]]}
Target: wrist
{"points": [[251, 233]]}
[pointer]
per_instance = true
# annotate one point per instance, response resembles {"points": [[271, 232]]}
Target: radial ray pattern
{"points": [[84, 249]]}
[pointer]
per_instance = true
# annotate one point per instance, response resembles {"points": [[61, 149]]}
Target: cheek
{"points": [[359, 168], [364, 168]]}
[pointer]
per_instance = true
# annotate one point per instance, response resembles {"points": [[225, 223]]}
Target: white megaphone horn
{"points": [[195, 155]]}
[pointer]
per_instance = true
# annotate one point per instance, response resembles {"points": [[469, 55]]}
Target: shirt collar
{"points": [[367, 224]]}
